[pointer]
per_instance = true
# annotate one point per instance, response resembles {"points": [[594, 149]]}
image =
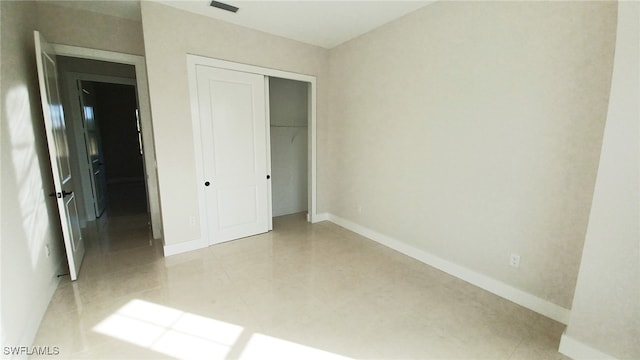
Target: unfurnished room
{"points": [[429, 179]]}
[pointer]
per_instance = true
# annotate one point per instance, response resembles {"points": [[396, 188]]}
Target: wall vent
{"points": [[223, 6]]}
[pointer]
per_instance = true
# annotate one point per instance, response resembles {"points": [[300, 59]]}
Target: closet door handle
{"points": [[206, 183], [268, 177]]}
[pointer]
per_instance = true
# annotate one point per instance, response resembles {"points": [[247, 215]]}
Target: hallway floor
{"points": [[301, 291]]}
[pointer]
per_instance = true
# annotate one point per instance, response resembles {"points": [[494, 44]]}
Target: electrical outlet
{"points": [[514, 260], [47, 250], [192, 220]]}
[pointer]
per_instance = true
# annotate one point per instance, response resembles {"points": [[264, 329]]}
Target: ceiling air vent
{"points": [[223, 6]]}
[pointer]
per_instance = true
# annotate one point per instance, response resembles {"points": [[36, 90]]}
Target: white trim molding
{"points": [[321, 217], [183, 247], [578, 350], [485, 282]]}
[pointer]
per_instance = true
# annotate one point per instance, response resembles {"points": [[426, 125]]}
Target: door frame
{"points": [[79, 131], [151, 174], [195, 60]]}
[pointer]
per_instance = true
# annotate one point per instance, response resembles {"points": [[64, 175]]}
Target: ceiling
{"points": [[321, 23]]}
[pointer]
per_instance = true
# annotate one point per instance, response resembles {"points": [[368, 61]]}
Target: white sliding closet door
{"points": [[233, 129]]}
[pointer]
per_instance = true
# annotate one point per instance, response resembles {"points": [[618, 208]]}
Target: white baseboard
{"points": [[320, 217], [578, 350], [200, 244], [485, 282], [184, 247]]}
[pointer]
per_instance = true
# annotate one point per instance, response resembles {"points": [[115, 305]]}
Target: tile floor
{"points": [[301, 291]]}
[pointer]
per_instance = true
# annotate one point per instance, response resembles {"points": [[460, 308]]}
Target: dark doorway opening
{"points": [[116, 111]]}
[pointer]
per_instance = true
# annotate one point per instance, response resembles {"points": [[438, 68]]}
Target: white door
{"points": [[93, 144], [233, 128], [59, 153]]}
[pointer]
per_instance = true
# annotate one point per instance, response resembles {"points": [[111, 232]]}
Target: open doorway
{"points": [[100, 100], [107, 151], [118, 130], [289, 134], [128, 62]]}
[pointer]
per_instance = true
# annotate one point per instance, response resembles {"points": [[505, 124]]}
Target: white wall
{"points": [[605, 317], [288, 110], [471, 130], [29, 216], [171, 34]]}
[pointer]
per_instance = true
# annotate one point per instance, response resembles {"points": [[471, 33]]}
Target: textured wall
{"points": [[471, 130], [69, 26]]}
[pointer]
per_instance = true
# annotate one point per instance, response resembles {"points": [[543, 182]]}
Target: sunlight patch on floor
{"points": [[170, 331], [184, 335], [263, 346]]}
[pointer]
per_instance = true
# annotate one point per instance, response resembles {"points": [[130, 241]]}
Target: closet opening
{"points": [[289, 146], [255, 152]]}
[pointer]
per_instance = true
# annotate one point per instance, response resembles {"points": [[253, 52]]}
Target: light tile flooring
{"points": [[301, 291]]}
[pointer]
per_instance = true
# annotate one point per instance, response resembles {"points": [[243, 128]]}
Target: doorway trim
{"points": [[195, 60], [151, 175]]}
